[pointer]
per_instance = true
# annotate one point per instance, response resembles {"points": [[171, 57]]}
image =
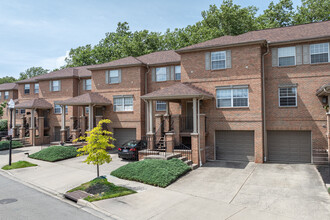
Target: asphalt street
{"points": [[18, 201]]}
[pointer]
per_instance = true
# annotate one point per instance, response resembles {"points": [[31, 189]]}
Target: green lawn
{"points": [[102, 189], [19, 164], [55, 153], [154, 172], [4, 145]]}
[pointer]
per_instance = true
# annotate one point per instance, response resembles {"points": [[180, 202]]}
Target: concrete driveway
{"points": [[285, 190]]}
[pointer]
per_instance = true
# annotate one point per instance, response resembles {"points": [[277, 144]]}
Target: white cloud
{"points": [[53, 63]]}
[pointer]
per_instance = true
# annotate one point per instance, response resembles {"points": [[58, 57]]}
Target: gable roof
{"points": [[37, 103], [323, 90], [86, 99], [8, 86], [272, 36], [160, 57], [127, 61], [177, 91], [71, 72]]}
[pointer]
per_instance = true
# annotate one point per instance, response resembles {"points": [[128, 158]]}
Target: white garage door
{"points": [[234, 145], [123, 135], [289, 146]]}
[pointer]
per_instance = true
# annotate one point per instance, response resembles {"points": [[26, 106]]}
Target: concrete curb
{"points": [[60, 196]]}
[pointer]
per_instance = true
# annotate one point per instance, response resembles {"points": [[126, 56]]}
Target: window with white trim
{"points": [[55, 85], [123, 104], [36, 88], [58, 109], [88, 84], [22, 111], [287, 96], [232, 97], [287, 56], [6, 94], [218, 60], [161, 74], [177, 72], [114, 76], [160, 106], [319, 53], [87, 110], [26, 88]]}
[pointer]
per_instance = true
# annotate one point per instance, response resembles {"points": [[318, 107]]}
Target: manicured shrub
{"points": [[4, 145], [3, 124], [55, 153], [154, 172]]}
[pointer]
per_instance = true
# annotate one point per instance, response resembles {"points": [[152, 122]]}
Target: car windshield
{"points": [[131, 144]]}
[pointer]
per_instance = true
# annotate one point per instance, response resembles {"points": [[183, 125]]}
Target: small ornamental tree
{"points": [[98, 140]]}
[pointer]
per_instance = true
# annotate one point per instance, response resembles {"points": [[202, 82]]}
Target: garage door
{"points": [[234, 145], [123, 135], [289, 146]]}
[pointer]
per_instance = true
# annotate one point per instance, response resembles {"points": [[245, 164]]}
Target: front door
{"points": [[189, 116]]}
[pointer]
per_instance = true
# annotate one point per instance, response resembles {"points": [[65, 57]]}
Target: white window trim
{"points": [[27, 89], [219, 60], [6, 96], [232, 97], [160, 110], [113, 77], [317, 53], [88, 85], [295, 57], [35, 88], [59, 85], [123, 103], [279, 98], [162, 74], [176, 72], [66, 109]]}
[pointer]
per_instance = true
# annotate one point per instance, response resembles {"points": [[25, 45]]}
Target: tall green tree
{"points": [[32, 72], [7, 79], [277, 15], [312, 11]]}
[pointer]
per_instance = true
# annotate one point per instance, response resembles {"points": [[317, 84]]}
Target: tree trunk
{"points": [[98, 171]]}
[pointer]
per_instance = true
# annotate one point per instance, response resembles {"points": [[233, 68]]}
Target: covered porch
{"points": [[324, 93], [34, 124], [96, 104], [177, 133]]}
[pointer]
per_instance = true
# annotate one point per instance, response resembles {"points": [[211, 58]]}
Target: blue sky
{"points": [[41, 32]]}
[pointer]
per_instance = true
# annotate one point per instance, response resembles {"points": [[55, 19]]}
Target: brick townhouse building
{"points": [[260, 96]]}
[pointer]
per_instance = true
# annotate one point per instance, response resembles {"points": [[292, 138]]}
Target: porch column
{"points": [[194, 115], [167, 108], [14, 123], [63, 131], [32, 129], [90, 118], [22, 128], [151, 126]]}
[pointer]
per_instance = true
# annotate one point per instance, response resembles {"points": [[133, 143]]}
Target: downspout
{"points": [[264, 103], [146, 103], [199, 133]]}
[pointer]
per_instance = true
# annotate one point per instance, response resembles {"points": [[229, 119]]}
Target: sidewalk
{"points": [[149, 203]]}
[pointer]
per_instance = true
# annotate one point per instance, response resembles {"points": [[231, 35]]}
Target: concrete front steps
{"points": [[320, 156], [168, 156]]}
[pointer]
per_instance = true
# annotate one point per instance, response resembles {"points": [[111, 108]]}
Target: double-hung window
{"points": [[234, 96], [113, 76], [123, 103], [87, 110], [319, 53], [36, 88], [6, 95], [22, 111], [287, 96], [27, 89], [161, 74], [88, 84], [177, 73], [160, 106], [218, 60], [287, 56], [55, 85]]}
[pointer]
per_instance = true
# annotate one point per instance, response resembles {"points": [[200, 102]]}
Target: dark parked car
{"points": [[130, 149]]}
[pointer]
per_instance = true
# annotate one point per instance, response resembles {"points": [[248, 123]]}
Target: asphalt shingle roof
{"points": [[86, 99], [8, 86], [37, 103]]}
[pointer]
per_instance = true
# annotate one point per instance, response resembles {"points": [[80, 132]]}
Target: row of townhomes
{"points": [[261, 96]]}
